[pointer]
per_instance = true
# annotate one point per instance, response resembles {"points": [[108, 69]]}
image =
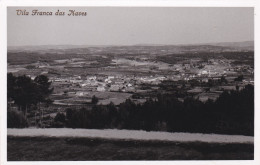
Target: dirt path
{"points": [[130, 134]]}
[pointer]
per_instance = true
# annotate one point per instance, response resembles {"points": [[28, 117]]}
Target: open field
{"points": [[58, 149]]}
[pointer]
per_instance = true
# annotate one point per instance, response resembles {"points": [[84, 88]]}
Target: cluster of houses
{"points": [[108, 83], [117, 83]]}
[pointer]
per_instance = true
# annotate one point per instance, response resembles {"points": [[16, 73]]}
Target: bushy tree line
{"points": [[231, 113], [25, 92]]}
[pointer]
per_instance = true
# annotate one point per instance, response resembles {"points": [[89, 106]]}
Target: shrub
{"points": [[16, 119], [69, 113], [57, 124], [59, 121], [94, 100], [60, 117], [239, 78]]}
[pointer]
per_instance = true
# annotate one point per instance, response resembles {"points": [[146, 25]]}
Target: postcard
{"points": [[129, 83]]}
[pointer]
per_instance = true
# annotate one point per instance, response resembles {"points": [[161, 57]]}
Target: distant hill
{"points": [[207, 47], [235, 44], [242, 45]]}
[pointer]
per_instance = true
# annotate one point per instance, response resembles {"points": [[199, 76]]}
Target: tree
{"points": [[25, 93], [59, 120], [223, 80], [60, 117], [11, 82], [94, 100], [69, 113], [239, 78], [44, 90]]}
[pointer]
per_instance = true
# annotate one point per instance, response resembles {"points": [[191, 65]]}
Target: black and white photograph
{"points": [[130, 83]]}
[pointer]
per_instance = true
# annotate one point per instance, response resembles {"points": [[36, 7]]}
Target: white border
{"points": [[127, 3]]}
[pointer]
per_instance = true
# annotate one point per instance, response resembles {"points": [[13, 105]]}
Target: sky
{"points": [[130, 26]]}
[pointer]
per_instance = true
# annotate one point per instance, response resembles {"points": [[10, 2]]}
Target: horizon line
{"points": [[143, 44]]}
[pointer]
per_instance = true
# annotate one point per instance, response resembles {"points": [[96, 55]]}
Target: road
{"points": [[129, 134]]}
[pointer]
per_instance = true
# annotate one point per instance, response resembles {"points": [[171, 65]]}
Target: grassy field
{"points": [[62, 149]]}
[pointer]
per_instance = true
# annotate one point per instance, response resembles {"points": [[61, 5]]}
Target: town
{"points": [[114, 74]]}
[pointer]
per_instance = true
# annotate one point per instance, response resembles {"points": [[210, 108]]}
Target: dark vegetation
{"points": [[178, 88], [238, 57], [26, 93], [22, 58], [29, 58], [59, 120], [231, 113], [94, 100], [239, 78], [80, 149], [16, 119]]}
